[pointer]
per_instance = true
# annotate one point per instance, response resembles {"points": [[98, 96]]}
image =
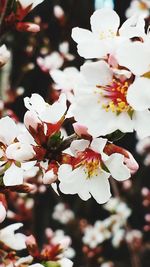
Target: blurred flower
{"points": [[50, 62], [65, 81], [4, 55], [3, 212], [138, 7], [58, 12], [62, 213]]}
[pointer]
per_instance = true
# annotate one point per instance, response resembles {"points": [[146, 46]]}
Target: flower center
{"points": [[90, 160], [143, 6], [115, 96], [109, 34]]}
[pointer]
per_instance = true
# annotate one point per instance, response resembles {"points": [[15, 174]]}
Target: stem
{"points": [[66, 143], [3, 13]]}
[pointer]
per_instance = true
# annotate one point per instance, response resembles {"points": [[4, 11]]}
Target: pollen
{"points": [[90, 161], [115, 96]]}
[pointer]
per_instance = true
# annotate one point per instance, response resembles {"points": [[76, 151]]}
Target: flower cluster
{"points": [[69, 144]]}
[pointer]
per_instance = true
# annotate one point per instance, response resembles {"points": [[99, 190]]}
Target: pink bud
{"points": [[31, 120], [80, 129], [2, 212], [131, 163], [127, 184], [27, 27], [30, 240]]}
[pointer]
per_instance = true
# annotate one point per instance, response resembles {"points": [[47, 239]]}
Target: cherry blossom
{"points": [[111, 99], [3, 212], [12, 153], [65, 81], [11, 239], [140, 7], [45, 112], [104, 38], [90, 169], [4, 55]]}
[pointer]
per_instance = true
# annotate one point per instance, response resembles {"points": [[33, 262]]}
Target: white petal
{"points": [[98, 144], [97, 73], [118, 170], [81, 35], [93, 49], [64, 262], [35, 103], [142, 123], [8, 130], [2, 212], [36, 265], [138, 95], [71, 181], [12, 240], [135, 56], [53, 113], [13, 176], [99, 187], [105, 21], [79, 145], [20, 152], [133, 27]]}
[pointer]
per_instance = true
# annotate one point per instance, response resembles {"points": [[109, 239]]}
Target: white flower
{"points": [[58, 12], [104, 39], [62, 213], [7, 136], [138, 7], [133, 235], [46, 113], [23, 260], [11, 239], [104, 103], [12, 153], [114, 205], [13, 176], [96, 234], [20, 152], [4, 55], [3, 212], [118, 237], [87, 175], [64, 262], [50, 62], [65, 80], [64, 51], [26, 3]]}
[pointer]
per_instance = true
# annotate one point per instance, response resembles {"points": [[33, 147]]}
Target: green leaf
{"points": [[115, 136], [51, 264]]}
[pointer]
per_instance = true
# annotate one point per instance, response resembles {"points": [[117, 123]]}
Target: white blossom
{"points": [[87, 175]]}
